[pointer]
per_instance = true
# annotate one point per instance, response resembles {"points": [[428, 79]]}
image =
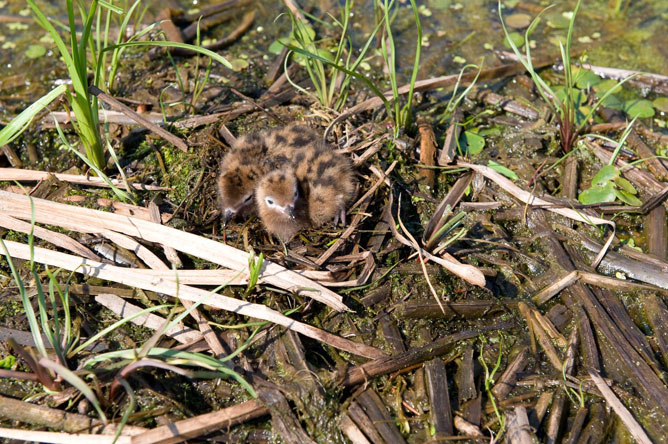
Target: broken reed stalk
{"points": [[93, 221], [128, 277], [15, 174]]}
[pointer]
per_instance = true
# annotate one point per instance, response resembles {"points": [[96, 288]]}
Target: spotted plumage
{"points": [[309, 190]]}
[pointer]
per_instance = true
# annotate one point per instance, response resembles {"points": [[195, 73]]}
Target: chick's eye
{"points": [[248, 198], [269, 201]]}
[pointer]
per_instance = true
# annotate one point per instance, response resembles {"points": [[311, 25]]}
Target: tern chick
{"points": [[309, 189]]}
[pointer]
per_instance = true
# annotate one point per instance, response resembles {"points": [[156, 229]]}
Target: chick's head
{"points": [[235, 193], [277, 196]]}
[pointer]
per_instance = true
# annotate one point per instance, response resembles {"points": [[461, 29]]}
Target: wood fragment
{"points": [[43, 416], [448, 152], [657, 232], [540, 409], [15, 174], [570, 178], [392, 334], [283, 420], [576, 426], [362, 420], [383, 366], [465, 378], [657, 316], [519, 431], [12, 157], [627, 418], [437, 387], [508, 379], [506, 104], [203, 424], [467, 428], [375, 408], [352, 432], [427, 151], [124, 309]]}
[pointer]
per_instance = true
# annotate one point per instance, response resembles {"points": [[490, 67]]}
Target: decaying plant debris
{"points": [[470, 297]]}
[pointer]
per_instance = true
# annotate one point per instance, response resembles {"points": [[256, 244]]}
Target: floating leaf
{"points": [[516, 38], [625, 185], [598, 194], [585, 79], [661, 104], [614, 102], [606, 85], [557, 20], [627, 198], [518, 20], [510, 174], [17, 26], [239, 64], [35, 51], [640, 108], [276, 47], [605, 174], [471, 143]]}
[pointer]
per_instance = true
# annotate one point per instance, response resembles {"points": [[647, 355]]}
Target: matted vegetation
{"points": [[502, 275]]}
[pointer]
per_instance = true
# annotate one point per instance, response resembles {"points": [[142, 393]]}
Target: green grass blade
{"points": [[344, 69], [21, 122], [113, 327], [77, 383]]}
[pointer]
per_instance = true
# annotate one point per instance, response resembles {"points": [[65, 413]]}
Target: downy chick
{"points": [[310, 190], [251, 157], [240, 170]]}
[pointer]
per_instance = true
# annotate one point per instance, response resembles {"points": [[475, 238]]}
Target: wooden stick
{"points": [[199, 425], [11, 174], [120, 107]]}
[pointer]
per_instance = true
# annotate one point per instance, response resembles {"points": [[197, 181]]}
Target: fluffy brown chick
{"points": [[310, 189], [240, 169], [251, 157], [280, 204]]}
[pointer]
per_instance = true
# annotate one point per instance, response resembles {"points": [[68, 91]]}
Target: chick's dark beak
{"points": [[227, 216], [290, 210]]}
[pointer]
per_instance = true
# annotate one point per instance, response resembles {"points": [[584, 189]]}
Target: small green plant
{"points": [[86, 51], [564, 101], [329, 68], [402, 115], [608, 185], [255, 268], [441, 224], [489, 382]]}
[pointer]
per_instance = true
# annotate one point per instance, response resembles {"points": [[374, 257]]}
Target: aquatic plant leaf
{"points": [[640, 108], [471, 143], [627, 198], [614, 102], [606, 85], [276, 46], [598, 194], [585, 79], [516, 37], [625, 185], [661, 104], [557, 20], [35, 51], [605, 174], [510, 174], [239, 64]]}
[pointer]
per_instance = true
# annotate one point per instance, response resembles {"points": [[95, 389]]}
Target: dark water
{"points": [[454, 33]]}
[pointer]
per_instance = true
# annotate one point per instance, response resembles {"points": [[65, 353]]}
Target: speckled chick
{"points": [[240, 170], [309, 190]]}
